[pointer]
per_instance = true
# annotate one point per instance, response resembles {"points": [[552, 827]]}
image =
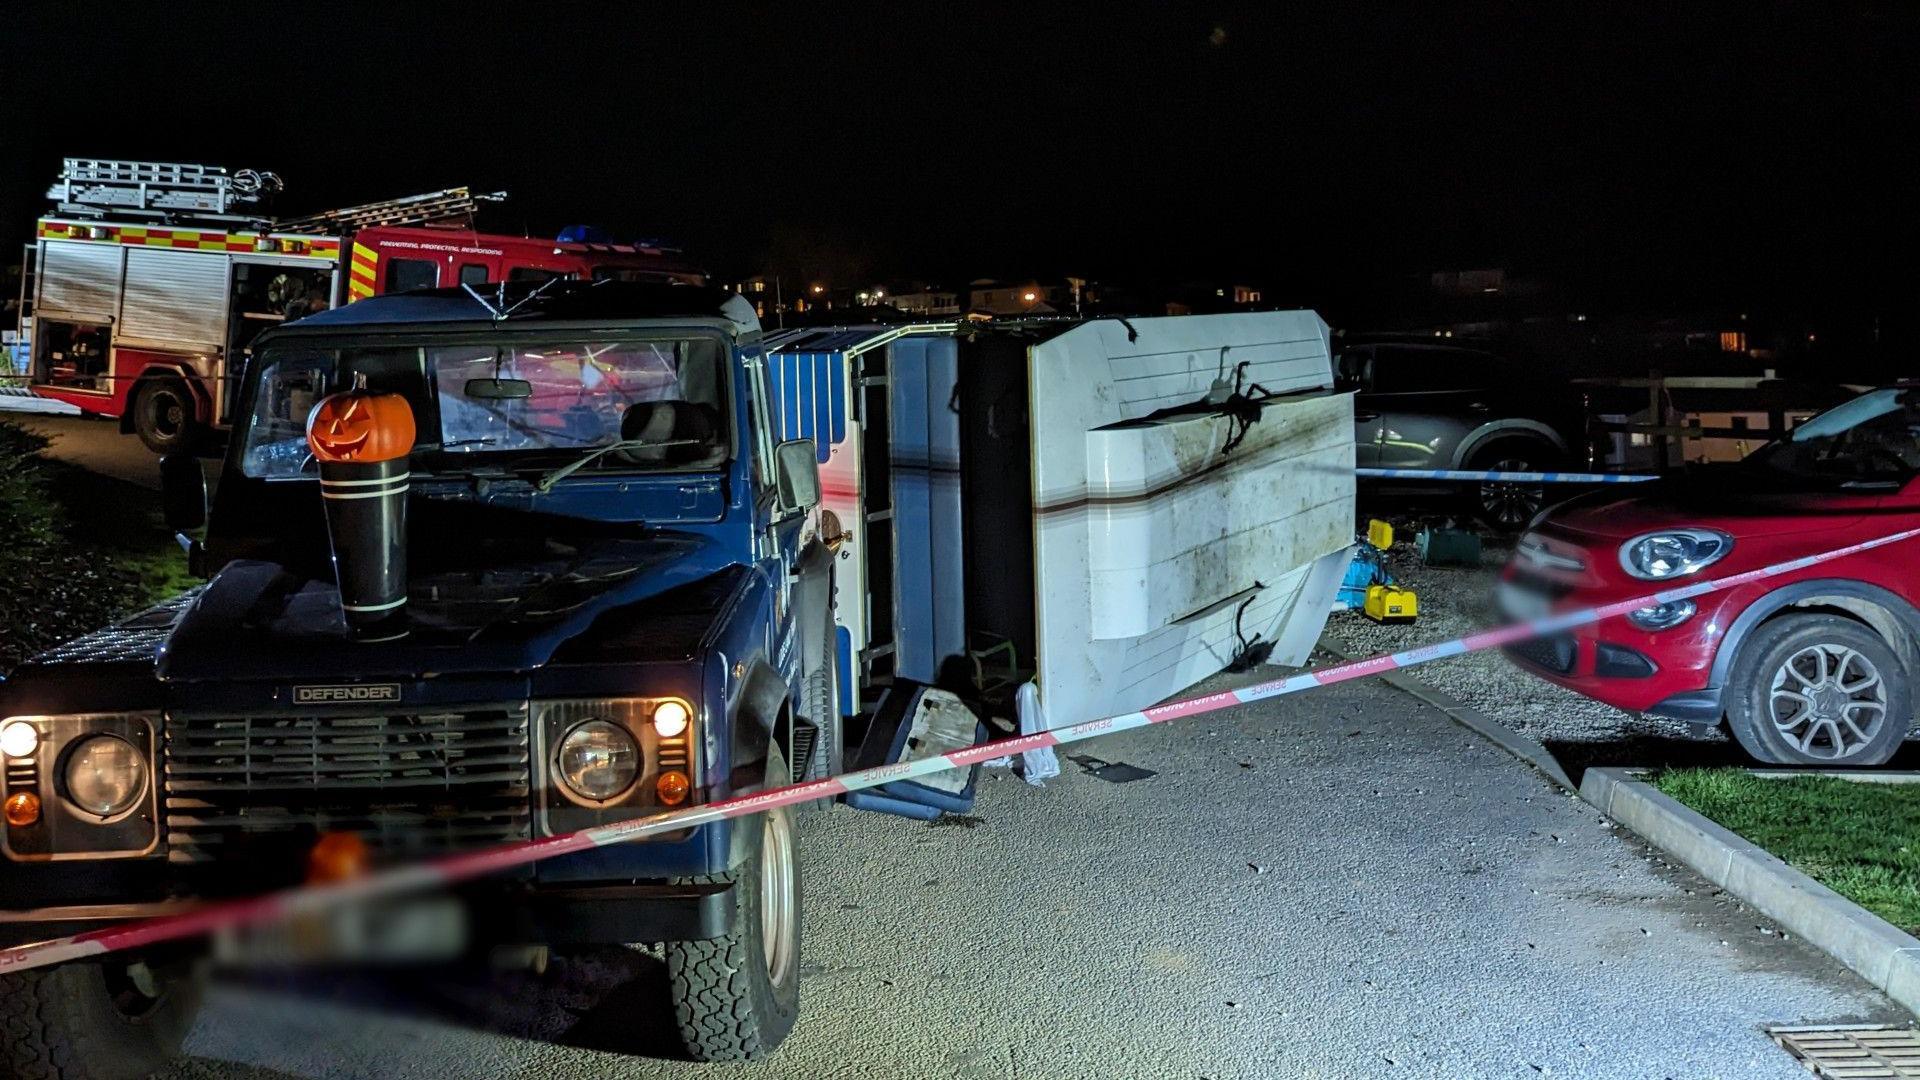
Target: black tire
{"points": [[1507, 507], [164, 417], [731, 999], [93, 1021], [1846, 720]]}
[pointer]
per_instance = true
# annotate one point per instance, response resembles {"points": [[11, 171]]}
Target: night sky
{"points": [[1658, 154]]}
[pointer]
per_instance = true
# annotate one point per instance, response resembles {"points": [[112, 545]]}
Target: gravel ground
{"points": [[1454, 602], [1342, 883]]}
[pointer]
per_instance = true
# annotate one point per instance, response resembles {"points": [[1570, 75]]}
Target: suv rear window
{"points": [[1413, 369]]}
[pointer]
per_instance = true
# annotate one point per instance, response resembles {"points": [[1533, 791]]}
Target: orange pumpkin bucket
{"points": [[359, 425], [361, 440]]}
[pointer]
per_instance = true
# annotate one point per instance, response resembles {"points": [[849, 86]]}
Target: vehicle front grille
{"points": [[263, 787], [1556, 652]]}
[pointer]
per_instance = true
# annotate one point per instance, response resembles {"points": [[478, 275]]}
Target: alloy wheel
{"points": [[1507, 504], [1827, 701]]}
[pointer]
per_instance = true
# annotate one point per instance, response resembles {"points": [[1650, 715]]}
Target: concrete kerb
{"points": [[1875, 949], [1520, 746]]}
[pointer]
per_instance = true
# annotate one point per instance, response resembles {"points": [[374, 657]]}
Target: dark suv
{"points": [[1421, 406]]}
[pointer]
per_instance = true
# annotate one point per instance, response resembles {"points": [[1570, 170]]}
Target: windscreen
{"points": [[497, 401], [1874, 437]]}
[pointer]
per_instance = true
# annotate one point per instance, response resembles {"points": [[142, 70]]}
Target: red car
{"points": [[1812, 667]]}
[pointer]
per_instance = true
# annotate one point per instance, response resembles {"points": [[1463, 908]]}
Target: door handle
{"points": [[1477, 406], [1362, 417]]}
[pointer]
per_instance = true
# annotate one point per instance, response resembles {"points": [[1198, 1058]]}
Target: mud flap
{"points": [[814, 745]]}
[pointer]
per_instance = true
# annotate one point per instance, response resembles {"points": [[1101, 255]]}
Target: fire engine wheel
{"points": [[736, 997], [100, 1021], [164, 416], [1818, 690]]}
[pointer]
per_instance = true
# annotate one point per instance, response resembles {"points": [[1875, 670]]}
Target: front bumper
{"points": [[700, 909], [1666, 673]]}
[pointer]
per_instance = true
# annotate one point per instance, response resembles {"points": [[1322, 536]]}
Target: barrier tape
{"points": [[447, 870], [1507, 477]]}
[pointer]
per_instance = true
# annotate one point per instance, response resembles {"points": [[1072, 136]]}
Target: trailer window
{"points": [[405, 274]]}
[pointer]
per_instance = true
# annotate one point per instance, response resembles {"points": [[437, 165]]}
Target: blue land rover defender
{"points": [[617, 601]]}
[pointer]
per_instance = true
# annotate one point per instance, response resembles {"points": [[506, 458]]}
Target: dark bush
{"points": [[54, 585]]}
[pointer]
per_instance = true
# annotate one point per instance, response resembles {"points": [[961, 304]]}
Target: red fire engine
{"points": [[149, 279]]}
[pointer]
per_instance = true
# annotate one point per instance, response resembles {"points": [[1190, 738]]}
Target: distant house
{"points": [[925, 301], [992, 297]]}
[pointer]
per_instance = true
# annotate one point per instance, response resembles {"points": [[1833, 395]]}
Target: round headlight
{"points": [[19, 739], [1673, 553], [598, 760], [670, 719], [105, 775]]}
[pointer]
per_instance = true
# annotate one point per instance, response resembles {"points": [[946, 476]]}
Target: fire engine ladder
{"points": [[160, 190], [437, 206]]}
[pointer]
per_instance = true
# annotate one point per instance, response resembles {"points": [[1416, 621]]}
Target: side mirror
{"points": [[796, 469], [183, 492], [499, 389]]}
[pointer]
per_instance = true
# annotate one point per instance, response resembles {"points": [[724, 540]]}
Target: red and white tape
{"points": [[305, 900]]}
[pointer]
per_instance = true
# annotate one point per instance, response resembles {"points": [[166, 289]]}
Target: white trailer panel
{"points": [[1150, 534]]}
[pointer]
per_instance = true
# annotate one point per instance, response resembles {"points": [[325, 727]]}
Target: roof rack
{"points": [[90, 187], [438, 206]]}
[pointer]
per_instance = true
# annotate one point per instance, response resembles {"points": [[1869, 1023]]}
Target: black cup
{"points": [[367, 523]]}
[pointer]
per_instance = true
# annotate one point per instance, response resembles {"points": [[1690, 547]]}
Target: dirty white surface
{"points": [[1149, 536], [1337, 884]]}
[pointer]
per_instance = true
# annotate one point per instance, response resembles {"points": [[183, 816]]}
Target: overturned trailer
{"points": [[1110, 509]]}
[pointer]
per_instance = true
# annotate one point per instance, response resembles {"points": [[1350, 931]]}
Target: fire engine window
{"points": [[72, 355], [404, 274], [630, 273], [535, 273], [473, 274]]}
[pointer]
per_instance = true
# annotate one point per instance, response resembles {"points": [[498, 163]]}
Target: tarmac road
{"points": [[1340, 884], [94, 443]]}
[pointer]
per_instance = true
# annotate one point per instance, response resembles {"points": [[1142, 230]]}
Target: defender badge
{"points": [[352, 693]]}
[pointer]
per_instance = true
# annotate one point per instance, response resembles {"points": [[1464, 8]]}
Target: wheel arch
{"points": [[202, 401], [1479, 438], [1884, 612]]}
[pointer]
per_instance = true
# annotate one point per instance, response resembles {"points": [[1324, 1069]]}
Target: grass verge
{"points": [[77, 549], [1861, 840]]}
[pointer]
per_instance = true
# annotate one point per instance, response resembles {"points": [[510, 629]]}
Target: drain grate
{"points": [[1853, 1051]]}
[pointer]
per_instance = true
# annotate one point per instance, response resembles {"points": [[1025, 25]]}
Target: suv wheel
{"points": [[1818, 690], [101, 1020], [736, 997], [164, 416], [1504, 506]]}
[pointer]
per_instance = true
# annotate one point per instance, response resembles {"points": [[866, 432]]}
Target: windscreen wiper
{"points": [[546, 482]]}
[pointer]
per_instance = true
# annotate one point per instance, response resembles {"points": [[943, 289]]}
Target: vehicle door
{"points": [[1353, 371], [1428, 399], [777, 529]]}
